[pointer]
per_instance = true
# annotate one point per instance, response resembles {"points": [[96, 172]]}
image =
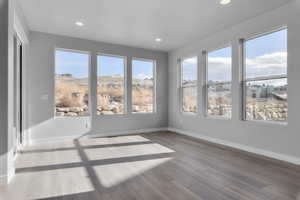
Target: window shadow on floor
{"points": [[89, 165]]}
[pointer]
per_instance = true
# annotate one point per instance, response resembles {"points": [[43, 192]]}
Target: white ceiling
{"points": [[139, 22]]}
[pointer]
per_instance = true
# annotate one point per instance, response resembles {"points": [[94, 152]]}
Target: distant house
{"points": [[64, 75]]}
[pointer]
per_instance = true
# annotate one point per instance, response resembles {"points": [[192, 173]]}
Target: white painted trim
{"points": [[257, 151], [68, 138], [11, 175], [6, 178], [3, 180], [138, 131], [19, 29]]}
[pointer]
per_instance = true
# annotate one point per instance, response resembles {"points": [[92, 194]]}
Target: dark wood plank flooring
{"points": [[153, 166]]}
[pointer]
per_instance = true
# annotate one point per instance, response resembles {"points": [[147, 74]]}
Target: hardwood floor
{"points": [[154, 166]]}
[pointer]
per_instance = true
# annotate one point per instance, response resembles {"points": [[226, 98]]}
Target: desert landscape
{"points": [[219, 100], [72, 96], [265, 101]]}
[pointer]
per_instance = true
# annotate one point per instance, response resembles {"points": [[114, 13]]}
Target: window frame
{"points": [[206, 85], [181, 87], [245, 80], [125, 83], [89, 53], [154, 62]]}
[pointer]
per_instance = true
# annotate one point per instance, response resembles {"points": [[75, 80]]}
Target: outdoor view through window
{"points": [[71, 83], [189, 84], [111, 85], [143, 84], [266, 77], [219, 101]]}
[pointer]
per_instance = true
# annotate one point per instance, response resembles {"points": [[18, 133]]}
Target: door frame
{"points": [[18, 96], [21, 33]]}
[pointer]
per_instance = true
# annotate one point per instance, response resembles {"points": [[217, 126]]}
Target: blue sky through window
{"points": [[219, 65], [189, 69], [265, 55], [142, 69], [68, 62], [110, 66], [267, 44], [77, 64]]}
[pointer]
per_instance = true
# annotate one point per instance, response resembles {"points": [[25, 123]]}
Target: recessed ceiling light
{"points": [[225, 2], [79, 23], [158, 40]]}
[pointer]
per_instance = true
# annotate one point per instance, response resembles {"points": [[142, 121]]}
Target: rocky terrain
{"points": [[267, 103], [72, 95], [269, 111], [72, 99]]}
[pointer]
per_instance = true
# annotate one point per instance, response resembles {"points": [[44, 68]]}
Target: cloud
{"points": [[143, 76], [219, 68], [268, 64], [189, 71], [190, 61]]}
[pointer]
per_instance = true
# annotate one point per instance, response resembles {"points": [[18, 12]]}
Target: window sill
{"points": [[71, 117], [124, 114], [116, 114], [212, 117], [189, 114], [140, 113]]}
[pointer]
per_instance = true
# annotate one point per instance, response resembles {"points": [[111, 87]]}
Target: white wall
{"points": [[279, 139], [8, 13], [41, 122], [3, 88]]}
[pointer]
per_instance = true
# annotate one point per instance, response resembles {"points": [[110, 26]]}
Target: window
{"points": [[219, 101], [71, 83], [143, 86], [111, 85], [189, 88], [265, 81]]}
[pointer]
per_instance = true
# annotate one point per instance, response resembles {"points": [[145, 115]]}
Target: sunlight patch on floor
{"points": [[113, 140], [45, 184], [115, 174], [48, 158], [126, 151]]}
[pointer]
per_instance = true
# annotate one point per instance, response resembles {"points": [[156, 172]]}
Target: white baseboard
{"points": [[257, 151], [68, 138], [138, 131], [6, 178]]}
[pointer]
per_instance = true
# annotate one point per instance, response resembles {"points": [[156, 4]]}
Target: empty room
{"points": [[149, 100]]}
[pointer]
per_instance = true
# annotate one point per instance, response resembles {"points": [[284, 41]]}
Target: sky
{"points": [[219, 65], [265, 55], [77, 64], [67, 62], [142, 69]]}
